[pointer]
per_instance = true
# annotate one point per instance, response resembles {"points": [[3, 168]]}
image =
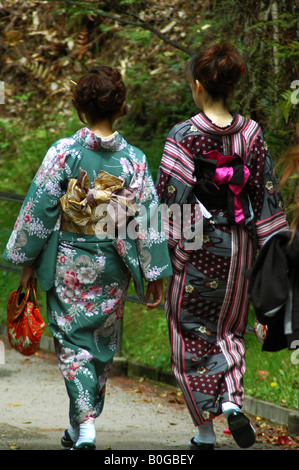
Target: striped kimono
{"points": [[228, 172]]}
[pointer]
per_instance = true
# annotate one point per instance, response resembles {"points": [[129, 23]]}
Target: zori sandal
{"points": [[241, 429]]}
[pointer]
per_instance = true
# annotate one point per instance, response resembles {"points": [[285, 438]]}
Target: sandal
{"points": [[241, 429], [66, 440], [84, 446], [200, 445]]}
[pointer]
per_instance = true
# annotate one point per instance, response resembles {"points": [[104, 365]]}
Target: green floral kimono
{"points": [[63, 232]]}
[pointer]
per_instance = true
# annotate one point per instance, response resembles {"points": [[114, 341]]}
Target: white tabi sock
{"points": [[87, 434], [228, 407], [205, 433]]}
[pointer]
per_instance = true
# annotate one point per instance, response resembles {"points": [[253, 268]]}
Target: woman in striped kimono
{"points": [[73, 231], [218, 164]]}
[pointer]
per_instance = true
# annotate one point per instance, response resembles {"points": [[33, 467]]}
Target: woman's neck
{"points": [[217, 113], [103, 128]]}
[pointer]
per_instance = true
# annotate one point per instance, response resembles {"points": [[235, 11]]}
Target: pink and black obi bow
{"points": [[221, 183]]}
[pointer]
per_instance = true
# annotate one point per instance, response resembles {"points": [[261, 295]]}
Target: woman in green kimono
{"points": [[89, 221]]}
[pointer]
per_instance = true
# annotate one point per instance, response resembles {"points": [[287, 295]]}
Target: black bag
{"points": [[270, 290]]}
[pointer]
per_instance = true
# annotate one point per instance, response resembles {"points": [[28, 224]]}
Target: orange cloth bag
{"points": [[25, 324]]}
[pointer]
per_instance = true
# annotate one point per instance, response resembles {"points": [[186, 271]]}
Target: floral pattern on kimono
{"points": [[86, 276], [34, 238]]}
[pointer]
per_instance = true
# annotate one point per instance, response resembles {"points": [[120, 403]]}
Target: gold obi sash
{"points": [[88, 210]]}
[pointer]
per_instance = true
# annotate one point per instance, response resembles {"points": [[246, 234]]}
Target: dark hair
{"points": [[99, 94], [218, 68]]}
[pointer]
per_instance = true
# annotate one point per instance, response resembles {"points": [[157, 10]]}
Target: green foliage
{"points": [[138, 36], [128, 2], [272, 376], [22, 153], [145, 336], [286, 104]]}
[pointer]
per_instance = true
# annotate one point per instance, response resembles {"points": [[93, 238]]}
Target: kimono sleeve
{"points": [[39, 214], [175, 183], [267, 204], [151, 242]]}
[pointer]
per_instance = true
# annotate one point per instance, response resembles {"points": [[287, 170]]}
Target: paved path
{"points": [[138, 414]]}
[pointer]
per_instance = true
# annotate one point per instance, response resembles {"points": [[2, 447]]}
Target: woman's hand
{"points": [[154, 288], [27, 273]]}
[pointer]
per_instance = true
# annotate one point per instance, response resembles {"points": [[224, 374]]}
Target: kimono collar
{"points": [[204, 124], [89, 140]]}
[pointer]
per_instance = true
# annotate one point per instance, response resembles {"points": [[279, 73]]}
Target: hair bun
{"points": [[218, 68], [99, 94]]}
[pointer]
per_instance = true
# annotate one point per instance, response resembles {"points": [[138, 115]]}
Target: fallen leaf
{"points": [[176, 400], [283, 439], [176, 393]]}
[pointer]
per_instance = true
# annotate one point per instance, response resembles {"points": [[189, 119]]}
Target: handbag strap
{"points": [[17, 307], [33, 291]]}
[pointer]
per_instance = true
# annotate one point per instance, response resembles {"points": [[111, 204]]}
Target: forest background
{"points": [[46, 44]]}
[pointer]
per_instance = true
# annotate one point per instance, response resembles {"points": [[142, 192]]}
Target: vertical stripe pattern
{"points": [[233, 316], [206, 301]]}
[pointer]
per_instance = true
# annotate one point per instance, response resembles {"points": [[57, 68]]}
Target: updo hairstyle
{"points": [[218, 68], [99, 94]]}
